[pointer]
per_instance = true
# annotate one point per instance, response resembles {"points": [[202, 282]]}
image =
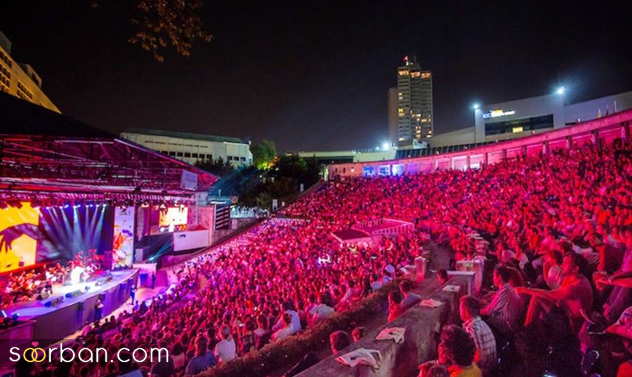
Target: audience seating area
{"points": [[555, 291]]}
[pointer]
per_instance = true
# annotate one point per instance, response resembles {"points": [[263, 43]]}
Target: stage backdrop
{"points": [[123, 237], [18, 232], [42, 235]]}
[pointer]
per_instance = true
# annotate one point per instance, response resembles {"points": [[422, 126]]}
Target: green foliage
{"points": [[217, 167], [263, 154], [166, 24]]}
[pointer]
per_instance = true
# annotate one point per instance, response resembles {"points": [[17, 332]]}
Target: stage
{"points": [[51, 323]]}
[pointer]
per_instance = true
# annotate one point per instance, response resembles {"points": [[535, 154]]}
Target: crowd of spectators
{"points": [[561, 230]]}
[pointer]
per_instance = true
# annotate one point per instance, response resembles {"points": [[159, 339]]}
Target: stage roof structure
{"points": [[45, 152]]}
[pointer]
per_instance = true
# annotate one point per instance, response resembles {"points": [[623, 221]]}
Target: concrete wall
{"points": [[458, 137], [589, 110], [419, 346], [602, 130]]}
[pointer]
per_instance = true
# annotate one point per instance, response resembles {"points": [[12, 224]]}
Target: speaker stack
{"points": [[54, 302], [74, 293]]}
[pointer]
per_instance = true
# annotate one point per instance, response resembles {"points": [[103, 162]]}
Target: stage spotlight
{"points": [[36, 203], [560, 91], [476, 106], [385, 146], [15, 203]]}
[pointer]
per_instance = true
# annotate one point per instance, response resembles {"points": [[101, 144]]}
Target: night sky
{"points": [[314, 75]]}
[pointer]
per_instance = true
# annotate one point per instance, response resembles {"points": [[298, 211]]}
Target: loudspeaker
{"points": [[74, 293], [54, 302]]}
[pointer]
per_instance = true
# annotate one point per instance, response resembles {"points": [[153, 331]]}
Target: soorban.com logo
{"points": [[86, 355], [32, 355]]}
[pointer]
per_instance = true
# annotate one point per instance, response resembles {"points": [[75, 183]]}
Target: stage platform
{"points": [[49, 324]]}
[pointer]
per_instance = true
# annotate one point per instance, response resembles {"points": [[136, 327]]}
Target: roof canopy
{"points": [[185, 135], [44, 151]]}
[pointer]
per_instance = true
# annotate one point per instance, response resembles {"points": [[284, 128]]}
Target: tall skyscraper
{"points": [[19, 79], [414, 98], [393, 120]]}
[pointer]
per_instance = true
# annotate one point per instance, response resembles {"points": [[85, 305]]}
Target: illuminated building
{"points": [[414, 103], [529, 116], [192, 147], [19, 79], [393, 119]]}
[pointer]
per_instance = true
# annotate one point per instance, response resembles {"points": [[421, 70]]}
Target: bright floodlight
{"points": [[476, 106], [561, 90], [385, 146]]}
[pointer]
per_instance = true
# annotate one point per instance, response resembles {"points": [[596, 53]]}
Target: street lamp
{"points": [[476, 106], [560, 91]]}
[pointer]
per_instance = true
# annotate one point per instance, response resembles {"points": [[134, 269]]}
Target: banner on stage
{"points": [[189, 181], [123, 247]]}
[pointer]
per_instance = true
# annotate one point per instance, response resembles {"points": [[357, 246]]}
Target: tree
{"points": [[263, 154], [217, 167], [164, 24]]}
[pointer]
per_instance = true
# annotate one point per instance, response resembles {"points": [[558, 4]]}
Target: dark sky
{"points": [[314, 75]]}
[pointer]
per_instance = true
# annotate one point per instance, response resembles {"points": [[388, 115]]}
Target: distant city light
{"points": [[560, 91], [476, 106]]}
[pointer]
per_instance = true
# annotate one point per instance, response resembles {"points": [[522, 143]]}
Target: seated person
{"points": [[459, 349], [574, 295], [339, 340], [410, 299], [395, 308], [469, 310], [505, 308]]}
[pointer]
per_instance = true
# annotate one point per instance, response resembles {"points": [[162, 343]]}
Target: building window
{"points": [[519, 125], [194, 155], [187, 155], [230, 158], [243, 158], [5, 58], [172, 154], [24, 93], [179, 154]]}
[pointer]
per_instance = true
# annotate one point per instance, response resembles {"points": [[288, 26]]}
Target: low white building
{"points": [[191, 147], [525, 117]]}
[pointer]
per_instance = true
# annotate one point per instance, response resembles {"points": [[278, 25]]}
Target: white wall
{"points": [[192, 150]]}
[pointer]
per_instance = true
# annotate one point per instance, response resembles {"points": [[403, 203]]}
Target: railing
{"points": [[602, 130]]}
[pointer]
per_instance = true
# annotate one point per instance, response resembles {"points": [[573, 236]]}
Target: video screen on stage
{"points": [[173, 219], [31, 235]]}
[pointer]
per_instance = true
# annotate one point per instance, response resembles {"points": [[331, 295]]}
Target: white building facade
{"points": [[192, 147]]}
